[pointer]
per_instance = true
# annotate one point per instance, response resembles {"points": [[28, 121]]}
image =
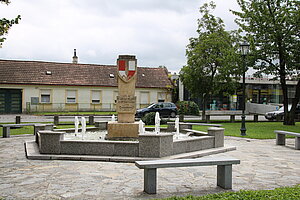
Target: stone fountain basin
{"points": [[147, 145]]}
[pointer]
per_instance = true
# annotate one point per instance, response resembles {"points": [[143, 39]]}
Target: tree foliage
{"points": [[6, 24], [273, 29], [212, 62]]}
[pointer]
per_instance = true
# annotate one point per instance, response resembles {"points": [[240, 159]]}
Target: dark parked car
{"points": [[165, 109], [278, 114]]}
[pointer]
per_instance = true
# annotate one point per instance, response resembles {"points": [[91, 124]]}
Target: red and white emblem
{"points": [[126, 69]]}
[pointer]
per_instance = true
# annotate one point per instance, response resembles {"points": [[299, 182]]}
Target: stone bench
{"points": [[183, 125], [280, 138], [224, 170], [102, 125], [7, 127], [232, 117], [194, 132]]}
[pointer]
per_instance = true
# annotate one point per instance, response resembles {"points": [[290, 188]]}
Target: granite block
{"points": [[126, 149], [155, 145], [87, 148], [49, 141], [179, 147], [102, 125], [218, 133]]}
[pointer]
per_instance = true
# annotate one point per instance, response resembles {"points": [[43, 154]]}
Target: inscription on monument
{"points": [[126, 104]]}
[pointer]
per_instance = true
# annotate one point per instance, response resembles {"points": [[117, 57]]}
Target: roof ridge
{"points": [[52, 62]]}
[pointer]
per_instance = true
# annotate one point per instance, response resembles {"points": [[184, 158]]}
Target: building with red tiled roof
{"points": [[50, 86]]}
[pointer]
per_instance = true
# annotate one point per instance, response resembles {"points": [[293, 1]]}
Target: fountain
{"points": [[157, 123], [83, 126], [177, 127], [141, 127], [113, 118], [126, 138], [76, 123]]}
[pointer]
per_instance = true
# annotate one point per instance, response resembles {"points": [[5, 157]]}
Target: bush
{"points": [[187, 108], [149, 119]]}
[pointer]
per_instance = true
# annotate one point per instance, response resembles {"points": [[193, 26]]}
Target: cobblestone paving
{"points": [[263, 166]]}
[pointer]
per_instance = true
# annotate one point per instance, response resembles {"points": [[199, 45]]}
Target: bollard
{"points": [[232, 118], [56, 119], [255, 118], [18, 119], [207, 118], [91, 120], [181, 118]]}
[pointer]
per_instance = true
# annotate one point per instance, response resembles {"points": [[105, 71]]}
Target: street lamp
{"points": [[244, 49]]}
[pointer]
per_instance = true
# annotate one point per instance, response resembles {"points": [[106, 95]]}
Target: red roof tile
{"points": [[34, 73]]}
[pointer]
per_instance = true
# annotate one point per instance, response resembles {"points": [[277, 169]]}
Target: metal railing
{"points": [[73, 107]]}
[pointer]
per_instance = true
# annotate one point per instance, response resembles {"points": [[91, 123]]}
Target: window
{"points": [[45, 96], [145, 98], [161, 96], [71, 96], [96, 94]]}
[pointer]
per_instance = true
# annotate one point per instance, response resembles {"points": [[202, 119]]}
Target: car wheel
{"points": [[173, 114]]}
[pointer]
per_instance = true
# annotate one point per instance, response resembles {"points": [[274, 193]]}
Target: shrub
{"points": [[149, 119], [187, 108]]}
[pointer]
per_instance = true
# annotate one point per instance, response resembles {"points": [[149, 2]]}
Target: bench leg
{"points": [[224, 176], [297, 143], [280, 139], [150, 181], [6, 132]]}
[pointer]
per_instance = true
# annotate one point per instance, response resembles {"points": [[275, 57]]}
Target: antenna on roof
{"points": [[75, 58]]}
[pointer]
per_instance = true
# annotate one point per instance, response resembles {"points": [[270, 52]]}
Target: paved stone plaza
{"points": [[263, 166]]}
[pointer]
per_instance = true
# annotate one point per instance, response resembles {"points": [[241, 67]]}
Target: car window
{"points": [[167, 105], [151, 106]]}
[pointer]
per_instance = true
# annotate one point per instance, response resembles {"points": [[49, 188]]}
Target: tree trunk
{"points": [[291, 114], [282, 74]]}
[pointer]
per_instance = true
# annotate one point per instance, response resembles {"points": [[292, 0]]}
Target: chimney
{"points": [[75, 58]]}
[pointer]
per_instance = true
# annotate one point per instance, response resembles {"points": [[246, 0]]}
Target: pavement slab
{"points": [[264, 165]]}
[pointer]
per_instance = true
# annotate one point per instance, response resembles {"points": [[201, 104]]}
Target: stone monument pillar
{"points": [[125, 127]]}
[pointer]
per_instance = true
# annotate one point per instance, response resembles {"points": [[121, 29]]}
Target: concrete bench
{"points": [[232, 117], [280, 138], [194, 132], [7, 127], [224, 170], [183, 125]]}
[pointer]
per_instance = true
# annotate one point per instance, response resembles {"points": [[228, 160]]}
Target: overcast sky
{"points": [[156, 31]]}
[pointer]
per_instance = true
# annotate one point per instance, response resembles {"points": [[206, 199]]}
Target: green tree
{"points": [[6, 24], [212, 61], [273, 29]]}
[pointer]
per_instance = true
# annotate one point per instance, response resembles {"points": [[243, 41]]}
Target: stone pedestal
{"points": [[49, 141], [155, 145], [122, 130], [218, 133], [41, 127]]}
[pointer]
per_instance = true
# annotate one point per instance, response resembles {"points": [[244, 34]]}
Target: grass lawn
{"points": [[261, 130], [283, 193], [29, 129]]}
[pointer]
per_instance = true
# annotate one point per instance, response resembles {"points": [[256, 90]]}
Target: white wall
{"points": [[83, 100]]}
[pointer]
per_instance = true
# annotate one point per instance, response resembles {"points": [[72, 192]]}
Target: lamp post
{"points": [[244, 49]]}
